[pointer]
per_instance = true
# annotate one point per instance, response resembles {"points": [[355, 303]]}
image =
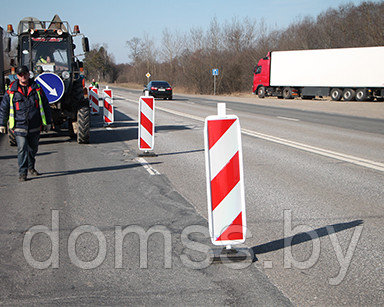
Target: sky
{"points": [[113, 22]]}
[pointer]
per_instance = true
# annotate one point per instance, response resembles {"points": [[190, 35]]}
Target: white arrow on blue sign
{"points": [[52, 86], [215, 72]]}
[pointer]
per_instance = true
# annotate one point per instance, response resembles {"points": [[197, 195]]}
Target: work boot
{"points": [[23, 177], [34, 172]]}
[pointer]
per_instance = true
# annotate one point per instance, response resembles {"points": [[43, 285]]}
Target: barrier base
{"points": [[223, 255], [147, 154]]}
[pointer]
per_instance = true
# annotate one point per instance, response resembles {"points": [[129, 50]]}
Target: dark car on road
{"points": [[159, 89]]}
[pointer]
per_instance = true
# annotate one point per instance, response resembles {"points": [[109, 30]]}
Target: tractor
{"points": [[47, 49]]}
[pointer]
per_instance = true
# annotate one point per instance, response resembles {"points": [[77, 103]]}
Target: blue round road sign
{"points": [[52, 86]]}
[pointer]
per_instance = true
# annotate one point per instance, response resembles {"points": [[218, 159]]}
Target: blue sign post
{"points": [[52, 86]]}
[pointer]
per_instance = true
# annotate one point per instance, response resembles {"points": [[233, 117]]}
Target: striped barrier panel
{"points": [[89, 91], [94, 100], [108, 117], [146, 136], [225, 183]]}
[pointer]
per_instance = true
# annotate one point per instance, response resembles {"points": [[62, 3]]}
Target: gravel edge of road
{"points": [[351, 108]]}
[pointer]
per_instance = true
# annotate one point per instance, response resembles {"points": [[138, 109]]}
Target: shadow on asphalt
{"points": [[8, 157], [103, 136], [304, 237], [120, 135], [126, 131], [90, 170], [97, 119], [61, 132], [112, 136], [171, 128], [180, 152], [117, 124], [56, 141], [121, 117]]}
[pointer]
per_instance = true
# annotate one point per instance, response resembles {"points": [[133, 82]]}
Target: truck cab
{"points": [[261, 77]]}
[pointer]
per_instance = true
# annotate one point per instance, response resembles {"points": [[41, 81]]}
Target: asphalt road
{"points": [[318, 174]]}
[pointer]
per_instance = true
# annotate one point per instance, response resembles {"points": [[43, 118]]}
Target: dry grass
{"points": [[240, 94], [182, 90], [132, 85]]}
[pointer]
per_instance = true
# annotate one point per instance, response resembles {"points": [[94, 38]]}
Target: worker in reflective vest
{"points": [[95, 83], [26, 109], [7, 83], [45, 60]]}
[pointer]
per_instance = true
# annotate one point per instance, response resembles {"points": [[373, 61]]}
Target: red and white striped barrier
{"points": [[146, 137], [94, 100], [109, 117], [225, 184], [89, 91]]}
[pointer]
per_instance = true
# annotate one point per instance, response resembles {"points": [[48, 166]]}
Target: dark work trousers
{"points": [[26, 151]]}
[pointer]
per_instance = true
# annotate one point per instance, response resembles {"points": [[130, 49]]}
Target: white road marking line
{"points": [[147, 166], [120, 97], [324, 152], [108, 128], [198, 118], [131, 100], [288, 118], [320, 151]]}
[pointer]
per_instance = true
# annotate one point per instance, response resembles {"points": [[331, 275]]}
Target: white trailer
{"points": [[346, 73]]}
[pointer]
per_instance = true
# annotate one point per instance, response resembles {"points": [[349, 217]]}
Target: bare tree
{"points": [[135, 46], [235, 46], [172, 46], [195, 40], [239, 35]]}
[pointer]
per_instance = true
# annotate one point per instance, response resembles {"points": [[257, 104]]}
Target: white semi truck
{"points": [[342, 73]]}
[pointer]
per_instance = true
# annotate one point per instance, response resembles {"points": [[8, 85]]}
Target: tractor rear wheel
{"points": [[83, 125]]}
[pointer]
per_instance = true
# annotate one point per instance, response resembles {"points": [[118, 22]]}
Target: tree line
{"points": [[234, 47]]}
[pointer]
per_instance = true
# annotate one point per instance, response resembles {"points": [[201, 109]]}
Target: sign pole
{"points": [[215, 72], [148, 75], [214, 84]]}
